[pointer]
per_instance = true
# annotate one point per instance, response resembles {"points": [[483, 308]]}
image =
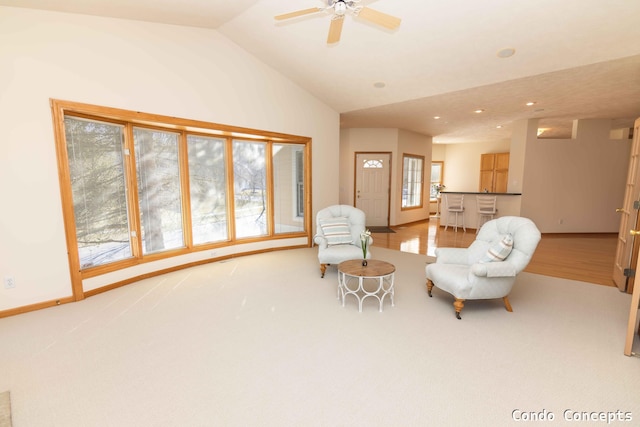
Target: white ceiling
{"points": [[574, 58]]}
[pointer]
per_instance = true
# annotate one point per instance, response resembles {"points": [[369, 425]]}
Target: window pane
{"points": [[207, 182], [159, 192], [436, 178], [372, 164], [249, 179], [96, 167], [412, 177], [288, 187]]}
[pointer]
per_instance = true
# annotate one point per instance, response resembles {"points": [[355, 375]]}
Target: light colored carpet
{"points": [[5, 409], [262, 341]]}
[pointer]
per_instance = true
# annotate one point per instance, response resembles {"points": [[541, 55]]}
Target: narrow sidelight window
{"points": [[412, 181]]}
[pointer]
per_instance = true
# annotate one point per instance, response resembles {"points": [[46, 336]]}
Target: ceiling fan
{"points": [[339, 8]]}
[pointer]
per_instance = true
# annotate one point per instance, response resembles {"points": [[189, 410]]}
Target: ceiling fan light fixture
{"points": [[338, 9]]}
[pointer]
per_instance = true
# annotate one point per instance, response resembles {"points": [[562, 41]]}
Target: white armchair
{"points": [[487, 269], [338, 230]]}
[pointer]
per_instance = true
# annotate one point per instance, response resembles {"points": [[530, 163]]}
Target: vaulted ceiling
{"points": [[575, 59]]}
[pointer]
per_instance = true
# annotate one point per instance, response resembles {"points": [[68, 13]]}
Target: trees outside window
{"points": [[208, 189], [151, 188], [159, 189], [98, 187], [250, 188]]}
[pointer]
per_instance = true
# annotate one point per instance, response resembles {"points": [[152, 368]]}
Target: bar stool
{"points": [[486, 209], [455, 208]]}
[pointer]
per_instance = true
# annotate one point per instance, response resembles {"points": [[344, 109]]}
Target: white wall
{"points": [[567, 185], [364, 140], [462, 163], [395, 141], [462, 173], [177, 71], [574, 185], [420, 145]]}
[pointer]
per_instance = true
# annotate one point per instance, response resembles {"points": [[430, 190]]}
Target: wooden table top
{"points": [[374, 268]]}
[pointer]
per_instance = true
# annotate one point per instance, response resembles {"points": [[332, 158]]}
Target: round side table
{"points": [[373, 280]]}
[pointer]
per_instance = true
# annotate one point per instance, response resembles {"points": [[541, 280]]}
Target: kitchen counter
{"points": [[481, 193], [508, 204]]}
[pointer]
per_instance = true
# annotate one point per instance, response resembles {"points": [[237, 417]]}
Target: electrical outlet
{"points": [[9, 282]]}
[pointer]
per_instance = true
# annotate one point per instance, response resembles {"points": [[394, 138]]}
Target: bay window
{"points": [[140, 187]]}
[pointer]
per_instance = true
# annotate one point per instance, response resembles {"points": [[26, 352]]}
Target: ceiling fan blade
{"points": [[387, 21], [335, 30], [298, 13]]}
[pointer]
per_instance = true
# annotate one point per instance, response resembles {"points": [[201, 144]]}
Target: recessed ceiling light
{"points": [[436, 117], [379, 85], [530, 103], [499, 127], [479, 110], [506, 52]]}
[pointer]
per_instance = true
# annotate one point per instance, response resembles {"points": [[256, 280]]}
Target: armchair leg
{"points": [[429, 287], [507, 304], [458, 304], [323, 268]]}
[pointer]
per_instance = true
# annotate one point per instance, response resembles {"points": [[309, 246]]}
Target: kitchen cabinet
{"points": [[494, 172]]}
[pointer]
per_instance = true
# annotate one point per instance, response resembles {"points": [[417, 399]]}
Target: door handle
{"points": [[619, 210], [634, 232]]}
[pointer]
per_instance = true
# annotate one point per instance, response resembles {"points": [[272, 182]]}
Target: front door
{"points": [[373, 175], [625, 253]]}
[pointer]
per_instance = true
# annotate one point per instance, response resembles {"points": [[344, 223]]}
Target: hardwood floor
{"points": [[587, 257]]}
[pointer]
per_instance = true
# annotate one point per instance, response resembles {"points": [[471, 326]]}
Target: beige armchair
{"points": [[338, 230], [488, 268]]}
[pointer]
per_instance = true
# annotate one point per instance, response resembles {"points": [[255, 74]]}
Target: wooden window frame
{"points": [[432, 183], [420, 193], [61, 109]]}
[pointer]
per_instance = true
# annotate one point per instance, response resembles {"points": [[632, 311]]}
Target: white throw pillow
{"points": [[499, 251], [336, 230]]}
